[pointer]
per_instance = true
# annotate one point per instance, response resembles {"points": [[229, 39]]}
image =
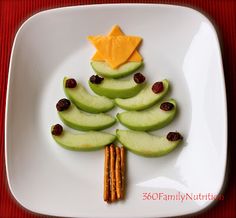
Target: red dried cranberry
{"points": [[157, 87], [139, 78], [174, 136], [166, 106], [71, 83], [63, 104], [57, 129], [96, 79]]}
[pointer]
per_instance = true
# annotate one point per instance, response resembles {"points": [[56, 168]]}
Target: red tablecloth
{"points": [[222, 13]]}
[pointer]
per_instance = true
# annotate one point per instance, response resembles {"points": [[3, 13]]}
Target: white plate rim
{"points": [[9, 82]]}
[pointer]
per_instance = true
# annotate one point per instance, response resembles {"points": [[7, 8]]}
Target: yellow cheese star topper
{"points": [[116, 48]]}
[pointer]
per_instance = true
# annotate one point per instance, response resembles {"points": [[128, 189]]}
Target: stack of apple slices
{"points": [[83, 112], [146, 111]]}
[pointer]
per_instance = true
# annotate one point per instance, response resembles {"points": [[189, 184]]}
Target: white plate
{"points": [[179, 44]]}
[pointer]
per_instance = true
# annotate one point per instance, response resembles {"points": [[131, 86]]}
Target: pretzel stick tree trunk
{"points": [[112, 173], [123, 171], [106, 194], [118, 173]]}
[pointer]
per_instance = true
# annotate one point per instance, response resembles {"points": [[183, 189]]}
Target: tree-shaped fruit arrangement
{"points": [[116, 57]]}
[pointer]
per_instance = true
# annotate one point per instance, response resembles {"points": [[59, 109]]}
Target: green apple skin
{"points": [[145, 144], [88, 141], [103, 69], [80, 120], [149, 119], [144, 99], [86, 102], [112, 88]]}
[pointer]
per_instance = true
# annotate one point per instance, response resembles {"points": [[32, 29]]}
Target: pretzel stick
{"points": [[106, 194], [118, 173], [123, 169], [112, 173]]}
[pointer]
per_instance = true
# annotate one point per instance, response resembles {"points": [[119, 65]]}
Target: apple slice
{"points": [[83, 100], [145, 144], [149, 119], [144, 99], [113, 88], [80, 120], [88, 141], [103, 69]]}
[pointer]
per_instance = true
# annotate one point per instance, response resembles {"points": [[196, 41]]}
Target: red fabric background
{"points": [[222, 13]]}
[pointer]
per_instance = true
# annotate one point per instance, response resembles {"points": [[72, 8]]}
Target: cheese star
{"points": [[116, 49], [116, 31]]}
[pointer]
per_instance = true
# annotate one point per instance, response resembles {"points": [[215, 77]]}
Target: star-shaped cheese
{"points": [[116, 31], [116, 49]]}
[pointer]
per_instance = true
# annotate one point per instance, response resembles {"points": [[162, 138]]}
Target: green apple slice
{"points": [[103, 69], [144, 99], [144, 144], [149, 119], [83, 100], [113, 88], [80, 120], [88, 141]]}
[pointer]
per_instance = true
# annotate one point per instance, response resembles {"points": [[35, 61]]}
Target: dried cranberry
{"points": [[63, 104], [174, 136], [57, 129], [71, 83], [96, 79], [166, 106], [157, 87], [139, 78]]}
